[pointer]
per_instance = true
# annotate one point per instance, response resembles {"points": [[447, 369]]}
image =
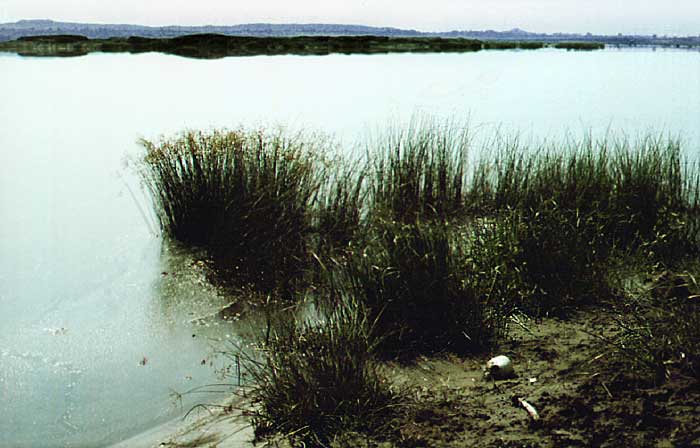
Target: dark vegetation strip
{"points": [[218, 45], [580, 45], [511, 45], [420, 249]]}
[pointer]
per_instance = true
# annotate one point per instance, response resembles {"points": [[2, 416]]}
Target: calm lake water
{"points": [[96, 313]]}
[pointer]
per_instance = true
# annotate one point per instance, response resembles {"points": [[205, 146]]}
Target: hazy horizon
{"points": [[543, 16]]}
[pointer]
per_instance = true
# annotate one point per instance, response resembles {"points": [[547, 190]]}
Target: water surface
{"points": [[95, 330]]}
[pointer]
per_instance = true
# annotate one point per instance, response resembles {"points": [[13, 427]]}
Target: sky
{"points": [[672, 17]]}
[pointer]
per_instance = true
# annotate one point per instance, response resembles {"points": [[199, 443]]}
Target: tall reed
{"points": [[317, 378], [420, 171], [580, 204], [260, 202], [340, 209], [658, 335], [431, 287], [245, 196]]}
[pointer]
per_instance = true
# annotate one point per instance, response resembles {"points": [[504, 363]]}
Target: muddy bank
{"points": [[579, 389], [221, 425]]}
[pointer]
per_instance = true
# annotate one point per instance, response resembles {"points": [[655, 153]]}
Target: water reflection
{"points": [[181, 290]]}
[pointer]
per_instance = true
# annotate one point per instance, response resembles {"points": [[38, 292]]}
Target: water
{"points": [[94, 336]]}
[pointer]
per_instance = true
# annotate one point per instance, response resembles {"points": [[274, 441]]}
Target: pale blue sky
{"points": [[679, 17]]}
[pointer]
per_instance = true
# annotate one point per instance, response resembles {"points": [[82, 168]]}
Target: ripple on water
{"points": [[39, 397]]}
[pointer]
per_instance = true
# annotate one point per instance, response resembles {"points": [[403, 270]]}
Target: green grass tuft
{"points": [[432, 287], [319, 378], [419, 172], [245, 196], [580, 205]]}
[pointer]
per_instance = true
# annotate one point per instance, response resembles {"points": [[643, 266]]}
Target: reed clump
{"points": [[418, 172], [246, 196], [435, 287], [413, 265], [580, 206], [316, 378], [339, 217], [269, 207]]}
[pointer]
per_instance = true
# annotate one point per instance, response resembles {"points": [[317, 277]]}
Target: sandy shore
{"points": [[219, 428]]}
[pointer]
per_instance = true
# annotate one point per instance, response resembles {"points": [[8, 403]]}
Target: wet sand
{"points": [[221, 427]]}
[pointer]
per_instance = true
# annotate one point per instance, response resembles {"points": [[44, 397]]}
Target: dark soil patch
{"points": [[582, 392]]}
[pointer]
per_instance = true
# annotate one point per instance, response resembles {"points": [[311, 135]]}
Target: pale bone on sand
{"points": [[500, 368]]}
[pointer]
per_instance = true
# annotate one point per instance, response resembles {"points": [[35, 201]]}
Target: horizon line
{"points": [[516, 29]]}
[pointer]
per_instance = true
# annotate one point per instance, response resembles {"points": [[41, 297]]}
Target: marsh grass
{"points": [[316, 378], [419, 249], [408, 259], [339, 211], [658, 332], [419, 172], [581, 205], [432, 287], [245, 196], [273, 211], [562, 257]]}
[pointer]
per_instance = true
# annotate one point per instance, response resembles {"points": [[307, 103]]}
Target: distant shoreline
{"points": [[212, 46], [23, 28]]}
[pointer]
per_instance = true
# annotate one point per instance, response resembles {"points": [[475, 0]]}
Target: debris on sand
{"points": [[500, 368]]}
